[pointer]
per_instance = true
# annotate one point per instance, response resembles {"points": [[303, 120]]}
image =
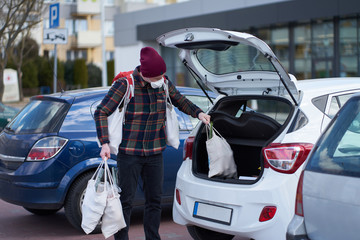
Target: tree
{"points": [[94, 73], [80, 73], [16, 16], [26, 51], [45, 71], [110, 66], [69, 74]]}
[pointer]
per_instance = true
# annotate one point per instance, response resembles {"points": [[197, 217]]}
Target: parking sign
{"points": [[54, 12]]}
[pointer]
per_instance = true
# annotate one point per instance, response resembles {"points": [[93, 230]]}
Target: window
{"points": [[109, 28], [274, 109], [236, 58], [348, 48], [76, 25], [109, 55], [280, 45], [337, 102], [358, 40], [323, 49], [109, 2], [40, 117], [69, 24], [76, 54], [278, 40], [302, 42]]}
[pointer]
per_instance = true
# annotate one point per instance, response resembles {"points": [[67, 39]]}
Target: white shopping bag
{"points": [[116, 119], [221, 158], [94, 201], [113, 218], [172, 123]]}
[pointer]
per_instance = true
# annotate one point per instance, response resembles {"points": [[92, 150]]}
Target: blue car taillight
{"points": [[46, 148]]}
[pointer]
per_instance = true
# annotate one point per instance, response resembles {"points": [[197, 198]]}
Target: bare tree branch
{"points": [[15, 18]]}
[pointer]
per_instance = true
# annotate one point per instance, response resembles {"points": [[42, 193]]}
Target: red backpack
{"points": [[122, 75], [129, 78]]}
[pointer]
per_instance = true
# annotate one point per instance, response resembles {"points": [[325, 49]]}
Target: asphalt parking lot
{"points": [[17, 223]]}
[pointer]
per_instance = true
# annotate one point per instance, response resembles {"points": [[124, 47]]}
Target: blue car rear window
{"points": [[338, 150], [39, 116]]}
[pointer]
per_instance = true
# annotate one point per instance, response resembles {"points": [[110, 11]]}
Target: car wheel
{"points": [[42, 212], [74, 201], [198, 233]]}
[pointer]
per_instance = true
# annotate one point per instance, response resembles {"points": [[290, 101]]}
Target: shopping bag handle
{"points": [[208, 130]]}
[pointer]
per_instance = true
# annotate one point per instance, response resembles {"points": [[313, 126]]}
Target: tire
{"points": [[198, 233], [42, 212], [74, 200]]}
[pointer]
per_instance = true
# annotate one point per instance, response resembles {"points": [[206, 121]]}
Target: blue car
{"points": [[6, 114], [50, 151]]}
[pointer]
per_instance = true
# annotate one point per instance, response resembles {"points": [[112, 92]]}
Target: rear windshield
{"points": [[338, 150], [237, 58], [39, 117]]}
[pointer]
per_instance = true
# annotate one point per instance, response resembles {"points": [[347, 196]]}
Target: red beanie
{"points": [[152, 64]]}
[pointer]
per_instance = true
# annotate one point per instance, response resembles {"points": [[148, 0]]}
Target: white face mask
{"points": [[157, 84]]}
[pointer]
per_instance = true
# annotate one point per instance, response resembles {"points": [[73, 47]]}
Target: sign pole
{"points": [[103, 49], [54, 20], [55, 67]]}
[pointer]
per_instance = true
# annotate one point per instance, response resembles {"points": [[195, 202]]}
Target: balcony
{"points": [[88, 7], [88, 39]]}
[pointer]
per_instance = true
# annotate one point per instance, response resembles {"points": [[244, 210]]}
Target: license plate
{"points": [[212, 213]]}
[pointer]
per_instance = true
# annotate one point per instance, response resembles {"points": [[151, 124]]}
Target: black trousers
{"points": [[151, 170]]}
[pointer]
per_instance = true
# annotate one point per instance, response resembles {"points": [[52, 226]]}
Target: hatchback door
{"points": [[42, 117], [232, 63]]}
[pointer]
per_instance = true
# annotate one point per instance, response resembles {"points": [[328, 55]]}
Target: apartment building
{"points": [[82, 19]]}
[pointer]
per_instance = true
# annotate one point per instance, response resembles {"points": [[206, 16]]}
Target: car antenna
{"points": [[59, 84]]}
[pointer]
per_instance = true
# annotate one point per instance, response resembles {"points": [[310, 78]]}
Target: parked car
{"points": [[6, 114], [50, 150], [271, 122], [327, 198]]}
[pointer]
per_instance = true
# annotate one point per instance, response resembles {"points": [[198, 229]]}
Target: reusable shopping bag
{"points": [[94, 202], [221, 157], [116, 119], [113, 218], [172, 123]]}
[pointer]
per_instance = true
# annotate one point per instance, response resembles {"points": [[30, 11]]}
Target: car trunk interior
{"points": [[248, 124]]}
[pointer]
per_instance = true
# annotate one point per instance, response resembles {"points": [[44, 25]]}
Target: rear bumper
{"points": [[34, 185], [30, 197], [245, 201], [296, 229]]}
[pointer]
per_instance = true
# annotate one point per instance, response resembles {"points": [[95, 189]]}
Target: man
{"points": [[144, 138]]}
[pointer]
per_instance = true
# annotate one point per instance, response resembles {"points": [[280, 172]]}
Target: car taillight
{"points": [[267, 213], [46, 148], [286, 158], [178, 198], [188, 148], [299, 210]]}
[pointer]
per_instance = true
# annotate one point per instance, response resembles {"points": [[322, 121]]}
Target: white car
{"points": [[271, 122]]}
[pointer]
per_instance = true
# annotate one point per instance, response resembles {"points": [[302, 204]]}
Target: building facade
{"points": [[82, 19], [312, 39]]}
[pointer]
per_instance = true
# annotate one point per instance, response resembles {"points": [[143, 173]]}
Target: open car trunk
{"points": [[248, 123]]}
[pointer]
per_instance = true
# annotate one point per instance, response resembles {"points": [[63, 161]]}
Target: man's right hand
{"points": [[105, 151]]}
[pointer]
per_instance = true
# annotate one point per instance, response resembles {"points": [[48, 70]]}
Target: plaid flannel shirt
{"points": [[144, 128]]}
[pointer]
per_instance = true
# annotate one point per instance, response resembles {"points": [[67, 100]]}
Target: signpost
{"points": [[55, 36], [54, 11]]}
